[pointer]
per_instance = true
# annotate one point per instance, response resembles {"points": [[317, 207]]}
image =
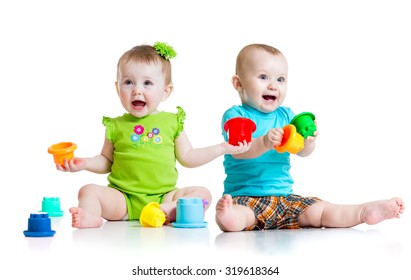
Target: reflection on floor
{"points": [[116, 247]]}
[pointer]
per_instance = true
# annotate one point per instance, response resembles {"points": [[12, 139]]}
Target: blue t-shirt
{"points": [[266, 175]]}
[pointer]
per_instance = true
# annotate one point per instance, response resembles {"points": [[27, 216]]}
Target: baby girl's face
{"points": [[141, 88]]}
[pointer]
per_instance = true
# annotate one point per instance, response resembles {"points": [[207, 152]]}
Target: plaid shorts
{"points": [[276, 212]]}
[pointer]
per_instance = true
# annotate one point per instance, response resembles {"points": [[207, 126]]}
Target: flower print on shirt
{"points": [[138, 137]]}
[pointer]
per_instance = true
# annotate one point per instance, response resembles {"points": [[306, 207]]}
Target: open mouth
{"points": [[269, 97], [138, 103]]}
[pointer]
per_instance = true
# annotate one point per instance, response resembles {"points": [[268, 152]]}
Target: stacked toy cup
{"points": [[190, 213], [62, 151], [292, 141], [300, 127], [51, 205], [239, 129], [39, 225], [304, 123], [152, 215]]}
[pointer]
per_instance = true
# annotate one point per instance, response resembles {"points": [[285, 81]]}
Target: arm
{"points": [[309, 144], [99, 164], [272, 139], [187, 156]]}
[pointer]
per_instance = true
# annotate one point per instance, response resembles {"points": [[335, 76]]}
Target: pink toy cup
{"points": [[239, 129]]}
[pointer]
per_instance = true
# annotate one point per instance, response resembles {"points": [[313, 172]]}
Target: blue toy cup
{"points": [[190, 212], [39, 225]]}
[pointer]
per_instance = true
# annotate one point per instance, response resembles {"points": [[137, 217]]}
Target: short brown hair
{"points": [[146, 54], [244, 51]]}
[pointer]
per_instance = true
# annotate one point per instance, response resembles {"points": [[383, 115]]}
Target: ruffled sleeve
{"points": [[181, 116], [107, 122]]}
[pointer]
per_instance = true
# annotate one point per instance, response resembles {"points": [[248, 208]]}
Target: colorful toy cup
{"points": [[239, 129], [190, 213], [62, 151], [39, 225], [152, 215], [51, 205], [292, 142], [304, 123]]}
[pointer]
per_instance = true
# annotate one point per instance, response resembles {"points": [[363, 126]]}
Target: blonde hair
{"points": [[247, 49], [146, 54]]}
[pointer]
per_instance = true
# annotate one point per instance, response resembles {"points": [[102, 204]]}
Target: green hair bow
{"points": [[165, 50]]}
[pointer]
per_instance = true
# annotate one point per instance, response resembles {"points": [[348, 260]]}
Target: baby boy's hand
{"points": [[311, 139], [309, 144], [273, 138]]}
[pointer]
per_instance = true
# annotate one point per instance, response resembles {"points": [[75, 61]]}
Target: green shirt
{"points": [[144, 161]]}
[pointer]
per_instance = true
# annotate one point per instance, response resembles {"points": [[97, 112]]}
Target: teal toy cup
{"points": [[190, 213], [51, 205], [304, 123]]}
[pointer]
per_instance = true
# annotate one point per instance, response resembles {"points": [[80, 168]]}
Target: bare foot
{"points": [[378, 211], [228, 218], [83, 219]]}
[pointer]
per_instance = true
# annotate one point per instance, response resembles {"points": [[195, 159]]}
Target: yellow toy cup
{"points": [[292, 142], [152, 215], [61, 151]]}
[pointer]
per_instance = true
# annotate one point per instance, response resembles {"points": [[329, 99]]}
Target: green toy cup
{"points": [[304, 123]]}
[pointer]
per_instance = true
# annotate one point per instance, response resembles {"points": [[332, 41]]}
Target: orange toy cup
{"points": [[62, 151], [292, 142], [239, 129]]}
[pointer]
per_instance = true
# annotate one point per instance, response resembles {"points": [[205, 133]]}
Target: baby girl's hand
{"points": [[241, 148], [74, 165], [273, 138]]}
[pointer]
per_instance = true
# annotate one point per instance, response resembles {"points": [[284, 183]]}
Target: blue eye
{"points": [[263, 77], [281, 79], [128, 82]]}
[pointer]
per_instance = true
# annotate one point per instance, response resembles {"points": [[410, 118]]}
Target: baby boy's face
{"points": [[263, 80]]}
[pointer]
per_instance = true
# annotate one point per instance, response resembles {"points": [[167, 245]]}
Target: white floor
{"points": [[349, 64], [117, 248]]}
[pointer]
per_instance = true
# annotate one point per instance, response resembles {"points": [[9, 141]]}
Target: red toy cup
{"points": [[239, 129]]}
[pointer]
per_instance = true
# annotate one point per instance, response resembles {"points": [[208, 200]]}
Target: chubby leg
{"points": [[325, 214], [97, 203], [230, 217], [170, 200]]}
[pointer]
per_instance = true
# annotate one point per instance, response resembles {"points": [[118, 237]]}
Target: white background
{"points": [[349, 64]]}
